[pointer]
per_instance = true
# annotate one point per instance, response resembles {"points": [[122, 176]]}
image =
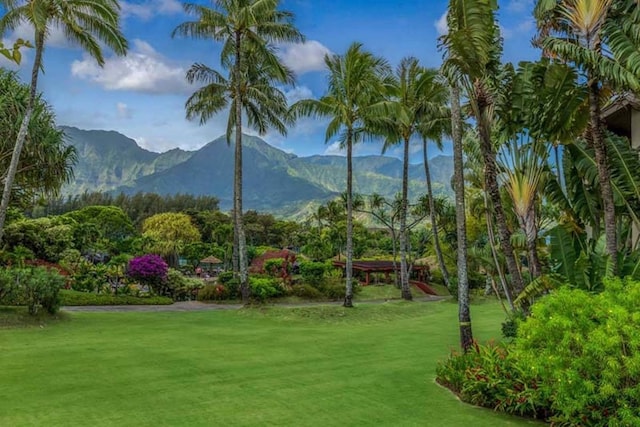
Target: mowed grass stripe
{"points": [[316, 366]]}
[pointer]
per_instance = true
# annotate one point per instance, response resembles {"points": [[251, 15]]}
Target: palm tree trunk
{"points": [[531, 231], [432, 216], [492, 242], [394, 246], [22, 132], [404, 270], [237, 183], [604, 176], [491, 186], [464, 313], [348, 297]]}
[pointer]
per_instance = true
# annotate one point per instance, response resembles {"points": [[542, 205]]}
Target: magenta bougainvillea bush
{"points": [[150, 270]]}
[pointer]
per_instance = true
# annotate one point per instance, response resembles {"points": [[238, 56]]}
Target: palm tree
{"points": [[433, 129], [356, 86], [84, 23], [415, 96], [600, 37], [473, 48], [468, 47], [247, 30]]}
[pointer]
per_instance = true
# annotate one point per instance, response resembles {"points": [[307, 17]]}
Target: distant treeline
{"points": [[138, 206]]}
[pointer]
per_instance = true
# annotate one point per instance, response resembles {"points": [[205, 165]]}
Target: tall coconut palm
{"points": [[434, 128], [247, 30], [356, 86], [474, 48], [467, 45], [86, 24], [601, 37], [415, 96]]}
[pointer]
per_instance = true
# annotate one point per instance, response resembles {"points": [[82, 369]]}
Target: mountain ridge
{"points": [[273, 180]]}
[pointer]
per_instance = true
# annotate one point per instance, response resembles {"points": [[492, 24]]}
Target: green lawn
{"points": [[315, 366]]}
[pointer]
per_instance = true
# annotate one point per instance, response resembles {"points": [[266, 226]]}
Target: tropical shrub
{"points": [[181, 288], [150, 270], [313, 273], [34, 287], [585, 349], [213, 293], [263, 288], [273, 266], [489, 376], [575, 360], [89, 277], [225, 277]]}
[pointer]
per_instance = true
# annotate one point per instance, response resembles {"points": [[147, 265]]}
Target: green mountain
{"points": [[273, 181], [108, 160]]}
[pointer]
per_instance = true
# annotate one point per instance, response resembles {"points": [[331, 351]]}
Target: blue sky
{"points": [[142, 95]]}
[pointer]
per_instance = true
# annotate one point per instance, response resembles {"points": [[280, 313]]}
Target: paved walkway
{"points": [[201, 306]]}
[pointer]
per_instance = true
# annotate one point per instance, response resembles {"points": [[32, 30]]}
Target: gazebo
{"points": [[386, 267], [210, 261]]}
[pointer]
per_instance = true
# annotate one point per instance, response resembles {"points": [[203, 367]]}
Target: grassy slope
{"points": [[320, 366]]}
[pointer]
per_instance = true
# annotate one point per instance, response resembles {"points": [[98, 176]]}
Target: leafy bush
{"points": [[34, 287], [181, 288], [225, 277], [9, 287], [150, 270], [213, 293], [273, 266], [313, 273], [88, 277], [575, 361], [585, 349], [488, 376], [233, 288], [334, 288], [307, 292], [75, 298], [264, 288], [510, 326]]}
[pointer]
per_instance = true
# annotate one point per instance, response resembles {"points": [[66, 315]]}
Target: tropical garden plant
{"points": [[89, 25]]}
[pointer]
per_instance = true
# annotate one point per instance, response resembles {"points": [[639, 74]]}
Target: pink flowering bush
{"points": [[150, 270]]}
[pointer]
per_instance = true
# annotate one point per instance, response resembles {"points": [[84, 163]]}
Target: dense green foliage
{"points": [[35, 288], [575, 361], [46, 162]]}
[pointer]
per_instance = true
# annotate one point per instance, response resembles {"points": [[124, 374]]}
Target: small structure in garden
{"points": [[208, 264], [420, 272]]}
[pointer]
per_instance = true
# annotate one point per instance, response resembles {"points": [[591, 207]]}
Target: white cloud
{"points": [[304, 57], [123, 111], [55, 38], [142, 70], [145, 10], [441, 24], [298, 93], [335, 149]]}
